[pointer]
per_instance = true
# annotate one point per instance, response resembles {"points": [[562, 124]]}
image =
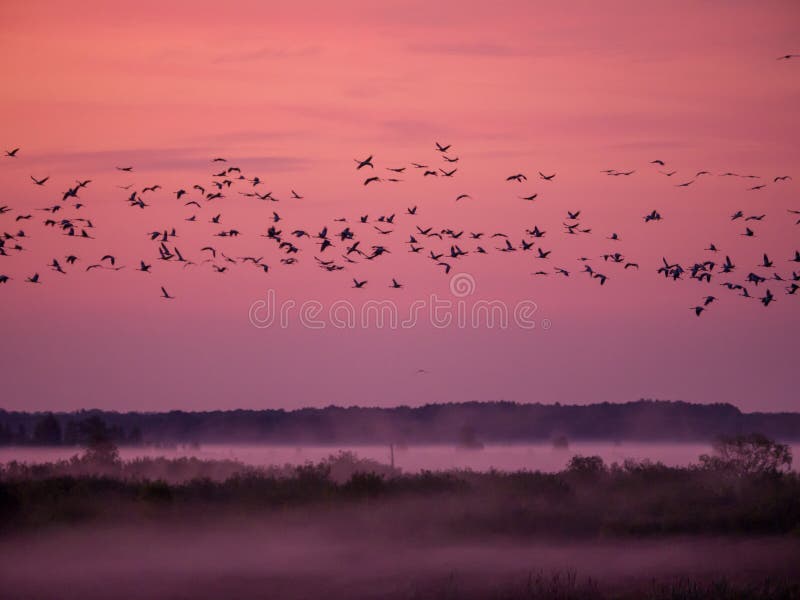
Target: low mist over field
{"points": [[360, 528], [314, 557], [585, 518]]}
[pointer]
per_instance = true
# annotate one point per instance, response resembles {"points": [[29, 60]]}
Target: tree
{"points": [[99, 441], [102, 453], [748, 455], [586, 465], [47, 431]]}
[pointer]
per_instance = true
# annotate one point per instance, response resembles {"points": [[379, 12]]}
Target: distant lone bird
{"points": [[653, 216]]}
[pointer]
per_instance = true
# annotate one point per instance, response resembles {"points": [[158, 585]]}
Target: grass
{"points": [[568, 586]]}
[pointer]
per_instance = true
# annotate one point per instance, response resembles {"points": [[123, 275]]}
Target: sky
{"points": [[293, 93]]}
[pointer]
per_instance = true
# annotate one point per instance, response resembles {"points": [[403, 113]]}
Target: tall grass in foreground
{"points": [[568, 586]]}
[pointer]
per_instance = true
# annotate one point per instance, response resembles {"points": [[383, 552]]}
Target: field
{"points": [[359, 528]]}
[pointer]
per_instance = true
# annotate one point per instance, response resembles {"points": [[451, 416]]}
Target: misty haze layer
{"points": [[305, 561]]}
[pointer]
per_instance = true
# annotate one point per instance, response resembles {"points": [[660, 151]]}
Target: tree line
{"points": [[47, 430], [470, 423]]}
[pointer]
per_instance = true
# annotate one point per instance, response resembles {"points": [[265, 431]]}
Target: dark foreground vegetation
{"points": [[745, 486], [569, 586]]}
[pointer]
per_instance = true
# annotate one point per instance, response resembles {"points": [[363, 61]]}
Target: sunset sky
{"points": [[293, 92]]}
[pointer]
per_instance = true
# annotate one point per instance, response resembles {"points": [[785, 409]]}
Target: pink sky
{"points": [[293, 93]]}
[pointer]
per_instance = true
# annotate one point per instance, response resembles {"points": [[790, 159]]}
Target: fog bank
{"points": [[293, 559]]}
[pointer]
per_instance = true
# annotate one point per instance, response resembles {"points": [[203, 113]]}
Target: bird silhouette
{"points": [[443, 244], [367, 162]]}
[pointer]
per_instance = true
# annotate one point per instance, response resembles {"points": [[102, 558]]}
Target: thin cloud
{"points": [[265, 53], [470, 49], [168, 159]]}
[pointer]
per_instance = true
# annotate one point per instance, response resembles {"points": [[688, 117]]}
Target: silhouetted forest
{"points": [[462, 424]]}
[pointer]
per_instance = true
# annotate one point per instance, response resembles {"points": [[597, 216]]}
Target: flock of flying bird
{"points": [[348, 246]]}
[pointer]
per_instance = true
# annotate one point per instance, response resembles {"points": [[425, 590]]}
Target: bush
{"points": [[586, 465], [365, 484]]}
